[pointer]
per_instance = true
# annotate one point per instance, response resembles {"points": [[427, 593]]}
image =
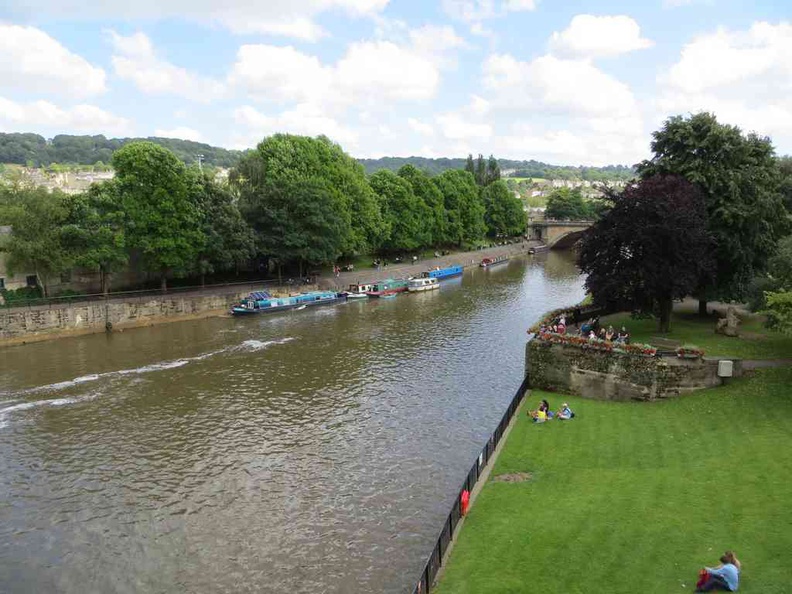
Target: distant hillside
{"points": [[33, 149], [514, 168]]}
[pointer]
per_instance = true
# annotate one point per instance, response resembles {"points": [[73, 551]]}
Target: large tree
{"points": [[565, 204], [463, 205], [428, 192], [504, 214], [163, 222], [739, 178], [406, 215], [652, 246], [96, 231], [229, 239], [284, 160], [37, 218]]}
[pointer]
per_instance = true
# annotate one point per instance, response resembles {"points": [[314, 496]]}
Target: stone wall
{"points": [[19, 325], [617, 376]]}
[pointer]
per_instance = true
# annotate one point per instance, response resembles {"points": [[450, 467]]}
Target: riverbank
{"points": [[629, 496], [38, 323]]}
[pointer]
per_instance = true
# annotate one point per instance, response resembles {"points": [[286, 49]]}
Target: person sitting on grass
{"points": [[565, 413], [725, 577], [541, 414]]}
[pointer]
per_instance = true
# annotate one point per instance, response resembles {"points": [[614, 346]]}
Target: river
{"points": [[307, 451]]}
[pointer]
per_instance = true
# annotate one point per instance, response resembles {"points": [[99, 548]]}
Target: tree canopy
{"points": [[463, 205], [651, 247], [565, 204], [503, 211], [163, 222], [427, 191], [738, 176], [407, 217]]}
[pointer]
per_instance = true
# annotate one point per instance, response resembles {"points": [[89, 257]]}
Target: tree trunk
{"points": [[664, 322], [702, 308], [203, 279], [105, 278], [164, 282], [301, 268]]}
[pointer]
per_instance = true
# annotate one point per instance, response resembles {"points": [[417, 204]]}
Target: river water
{"points": [[308, 451]]}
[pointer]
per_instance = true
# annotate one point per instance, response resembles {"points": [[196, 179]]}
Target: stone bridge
{"points": [[558, 234]]}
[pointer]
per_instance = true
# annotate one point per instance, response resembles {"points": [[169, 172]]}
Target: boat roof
{"points": [[260, 295]]}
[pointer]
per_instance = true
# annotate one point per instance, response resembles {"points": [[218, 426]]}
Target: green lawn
{"points": [[757, 342], [635, 497]]}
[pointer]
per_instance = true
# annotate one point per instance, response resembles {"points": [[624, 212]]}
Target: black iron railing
{"points": [[435, 560]]}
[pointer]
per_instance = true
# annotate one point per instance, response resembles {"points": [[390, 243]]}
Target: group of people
{"points": [[543, 413], [590, 329]]}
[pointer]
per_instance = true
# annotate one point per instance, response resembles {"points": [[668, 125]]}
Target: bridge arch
{"points": [[566, 241]]}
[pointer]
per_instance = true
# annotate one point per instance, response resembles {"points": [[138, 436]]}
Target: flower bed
{"points": [[689, 351], [595, 344]]}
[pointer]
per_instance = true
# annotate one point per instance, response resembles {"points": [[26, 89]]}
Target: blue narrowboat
{"points": [[262, 302], [441, 273]]}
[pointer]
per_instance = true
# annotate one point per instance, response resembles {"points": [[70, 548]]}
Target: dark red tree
{"points": [[652, 246]]}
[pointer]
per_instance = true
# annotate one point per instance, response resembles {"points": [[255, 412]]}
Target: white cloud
{"points": [[420, 127], [475, 11], [135, 59], [589, 36], [31, 60], [435, 42], [294, 18], [181, 132], [456, 126], [303, 119], [371, 73], [555, 86], [23, 117], [743, 77]]}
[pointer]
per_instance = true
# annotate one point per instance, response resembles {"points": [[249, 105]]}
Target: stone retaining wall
{"points": [[29, 325], [616, 376]]}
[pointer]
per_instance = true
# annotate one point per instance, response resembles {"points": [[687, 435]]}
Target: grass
{"points": [[757, 341], [636, 497]]}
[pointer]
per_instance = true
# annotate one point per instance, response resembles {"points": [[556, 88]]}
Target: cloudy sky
{"points": [[569, 82]]}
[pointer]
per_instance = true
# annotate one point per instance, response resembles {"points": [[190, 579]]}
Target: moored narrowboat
{"points": [[490, 262], [358, 291], [441, 273], [387, 287], [423, 284], [262, 302]]}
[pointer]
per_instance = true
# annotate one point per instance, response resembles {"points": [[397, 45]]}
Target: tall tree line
{"points": [[293, 201]]}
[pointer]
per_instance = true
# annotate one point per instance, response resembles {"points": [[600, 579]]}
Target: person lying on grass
{"points": [[565, 413], [725, 577]]}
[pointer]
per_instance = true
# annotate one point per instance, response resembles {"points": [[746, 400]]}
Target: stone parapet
{"points": [[617, 376]]}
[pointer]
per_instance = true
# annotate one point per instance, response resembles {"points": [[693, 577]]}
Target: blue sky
{"points": [[567, 82]]}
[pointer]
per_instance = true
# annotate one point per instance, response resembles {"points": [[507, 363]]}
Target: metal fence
{"points": [[435, 560], [218, 289]]}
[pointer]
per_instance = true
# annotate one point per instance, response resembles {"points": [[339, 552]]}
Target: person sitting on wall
{"points": [[724, 577], [592, 335], [623, 336], [610, 334], [565, 413], [601, 334]]}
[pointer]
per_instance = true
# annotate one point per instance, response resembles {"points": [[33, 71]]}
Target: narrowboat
{"points": [[489, 262], [441, 273], [388, 286], [358, 291], [262, 302], [423, 284], [538, 249]]}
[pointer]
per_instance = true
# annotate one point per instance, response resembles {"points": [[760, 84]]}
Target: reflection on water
{"points": [[309, 451]]}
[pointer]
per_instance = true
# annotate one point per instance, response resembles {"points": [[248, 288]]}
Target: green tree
{"points": [[95, 233], [163, 222], [426, 190], [785, 170], [229, 239], [504, 214], [565, 204], [463, 205], [779, 311], [481, 171], [739, 177], [37, 218], [285, 159], [408, 217], [493, 170], [470, 165]]}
